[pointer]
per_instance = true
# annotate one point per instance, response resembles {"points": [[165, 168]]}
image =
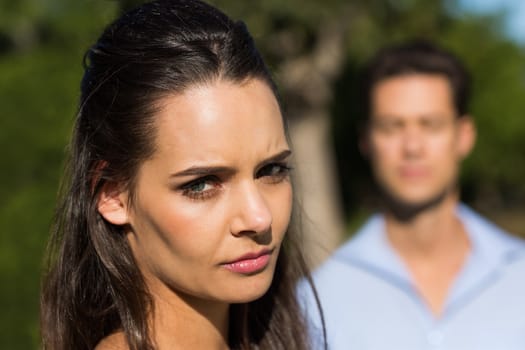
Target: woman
{"points": [[172, 229]]}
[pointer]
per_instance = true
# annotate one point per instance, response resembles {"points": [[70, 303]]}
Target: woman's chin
{"points": [[252, 288]]}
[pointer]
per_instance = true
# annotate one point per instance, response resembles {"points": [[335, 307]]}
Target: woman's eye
{"points": [[202, 188], [274, 173], [198, 187]]}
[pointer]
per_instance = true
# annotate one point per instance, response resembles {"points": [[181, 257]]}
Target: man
{"points": [[427, 272]]}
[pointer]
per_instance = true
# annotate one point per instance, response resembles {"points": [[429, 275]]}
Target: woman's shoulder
{"points": [[115, 341]]}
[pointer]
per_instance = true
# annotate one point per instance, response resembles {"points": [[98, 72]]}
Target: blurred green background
{"points": [[41, 47]]}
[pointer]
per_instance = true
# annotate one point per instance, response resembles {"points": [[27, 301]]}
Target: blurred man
{"points": [[427, 272]]}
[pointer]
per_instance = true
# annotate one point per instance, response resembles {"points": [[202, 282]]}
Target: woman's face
{"points": [[213, 203]]}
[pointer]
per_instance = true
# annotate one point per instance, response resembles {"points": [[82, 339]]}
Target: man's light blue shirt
{"points": [[370, 303]]}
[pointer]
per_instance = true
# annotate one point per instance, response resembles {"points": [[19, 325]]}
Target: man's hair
{"points": [[417, 57]]}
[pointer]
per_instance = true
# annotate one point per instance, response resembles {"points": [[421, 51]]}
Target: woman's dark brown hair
{"points": [[93, 286]]}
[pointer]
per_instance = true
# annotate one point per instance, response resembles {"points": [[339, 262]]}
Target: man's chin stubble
{"points": [[405, 211]]}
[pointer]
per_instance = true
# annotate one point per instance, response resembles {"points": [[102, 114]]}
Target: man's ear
{"points": [[112, 204], [466, 135], [364, 143], [363, 138]]}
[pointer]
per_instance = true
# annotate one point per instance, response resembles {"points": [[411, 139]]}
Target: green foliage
{"points": [[39, 82], [496, 167], [36, 124]]}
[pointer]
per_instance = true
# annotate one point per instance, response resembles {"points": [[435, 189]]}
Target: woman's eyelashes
{"points": [[273, 173], [208, 186], [202, 188]]}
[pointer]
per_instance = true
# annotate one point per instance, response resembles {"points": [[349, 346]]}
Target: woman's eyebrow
{"points": [[208, 170], [203, 171], [279, 157]]}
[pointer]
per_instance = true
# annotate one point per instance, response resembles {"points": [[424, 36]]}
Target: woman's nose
{"points": [[252, 214]]}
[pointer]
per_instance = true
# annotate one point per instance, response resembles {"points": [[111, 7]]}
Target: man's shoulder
{"points": [[347, 262], [483, 230], [364, 238]]}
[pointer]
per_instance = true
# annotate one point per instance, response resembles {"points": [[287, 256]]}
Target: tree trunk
{"points": [[308, 86]]}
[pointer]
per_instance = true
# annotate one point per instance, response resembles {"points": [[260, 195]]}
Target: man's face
{"points": [[415, 140]]}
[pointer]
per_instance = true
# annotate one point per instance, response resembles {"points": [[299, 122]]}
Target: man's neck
{"points": [[432, 231], [434, 245]]}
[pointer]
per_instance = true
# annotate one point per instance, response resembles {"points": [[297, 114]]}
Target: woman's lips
{"points": [[249, 263]]}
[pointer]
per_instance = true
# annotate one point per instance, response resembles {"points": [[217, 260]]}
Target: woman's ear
{"points": [[112, 204]]}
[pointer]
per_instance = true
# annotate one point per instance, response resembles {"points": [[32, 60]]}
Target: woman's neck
{"points": [[181, 321]]}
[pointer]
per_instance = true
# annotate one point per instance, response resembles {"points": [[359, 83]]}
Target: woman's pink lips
{"points": [[249, 263]]}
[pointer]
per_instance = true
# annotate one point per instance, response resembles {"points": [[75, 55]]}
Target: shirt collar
{"points": [[492, 248], [489, 242], [370, 250]]}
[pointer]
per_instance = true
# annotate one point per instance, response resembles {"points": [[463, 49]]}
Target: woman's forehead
{"points": [[218, 117]]}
